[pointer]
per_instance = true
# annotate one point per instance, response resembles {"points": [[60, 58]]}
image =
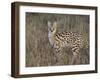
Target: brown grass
{"points": [[38, 49]]}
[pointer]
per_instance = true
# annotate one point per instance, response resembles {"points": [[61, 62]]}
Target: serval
{"points": [[65, 39]]}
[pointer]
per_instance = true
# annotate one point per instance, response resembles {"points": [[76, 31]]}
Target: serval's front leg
{"points": [[76, 55], [58, 54]]}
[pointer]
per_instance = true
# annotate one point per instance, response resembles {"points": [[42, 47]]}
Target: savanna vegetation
{"points": [[38, 49]]}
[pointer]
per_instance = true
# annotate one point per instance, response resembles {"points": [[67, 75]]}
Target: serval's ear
{"points": [[49, 23], [55, 24]]}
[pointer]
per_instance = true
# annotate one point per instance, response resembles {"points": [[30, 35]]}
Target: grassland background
{"points": [[38, 49]]}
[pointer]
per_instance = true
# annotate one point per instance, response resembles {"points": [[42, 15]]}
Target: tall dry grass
{"points": [[38, 49]]}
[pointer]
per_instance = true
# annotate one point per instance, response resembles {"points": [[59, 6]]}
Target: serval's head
{"points": [[52, 27]]}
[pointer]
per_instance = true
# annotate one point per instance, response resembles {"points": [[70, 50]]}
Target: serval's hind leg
{"points": [[76, 56], [75, 59]]}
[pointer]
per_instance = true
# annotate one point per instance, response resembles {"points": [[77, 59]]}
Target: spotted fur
{"points": [[65, 39]]}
